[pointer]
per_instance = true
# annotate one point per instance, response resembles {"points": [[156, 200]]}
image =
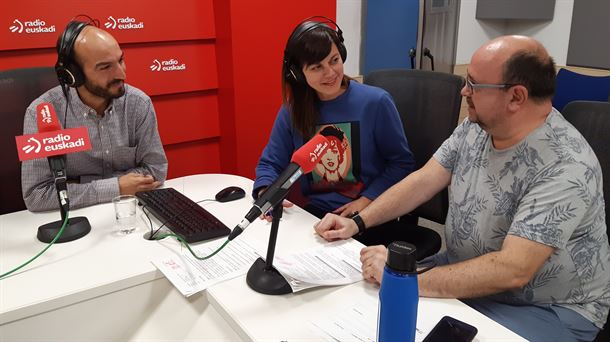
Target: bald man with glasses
{"points": [[525, 232]]}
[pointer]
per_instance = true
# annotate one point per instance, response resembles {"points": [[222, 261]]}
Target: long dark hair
{"points": [[302, 100]]}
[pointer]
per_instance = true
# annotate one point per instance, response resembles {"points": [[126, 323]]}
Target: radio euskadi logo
{"points": [[33, 145], [125, 23], [46, 114], [31, 26], [167, 65], [61, 142]]}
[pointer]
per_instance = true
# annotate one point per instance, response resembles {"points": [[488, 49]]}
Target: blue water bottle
{"points": [[398, 295]]}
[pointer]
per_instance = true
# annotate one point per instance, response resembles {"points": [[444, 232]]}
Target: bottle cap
{"points": [[402, 257]]}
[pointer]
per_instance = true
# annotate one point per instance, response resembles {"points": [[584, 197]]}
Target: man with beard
{"points": [[126, 156], [525, 232]]}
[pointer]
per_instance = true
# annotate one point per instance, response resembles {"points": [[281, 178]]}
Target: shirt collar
{"points": [[81, 109]]}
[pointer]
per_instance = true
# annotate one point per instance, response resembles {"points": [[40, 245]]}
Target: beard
{"points": [[106, 92]]}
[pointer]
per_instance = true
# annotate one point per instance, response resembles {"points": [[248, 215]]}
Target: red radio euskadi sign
{"points": [[42, 145], [38, 23]]}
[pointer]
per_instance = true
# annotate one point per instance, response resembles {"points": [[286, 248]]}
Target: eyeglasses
{"points": [[472, 86]]}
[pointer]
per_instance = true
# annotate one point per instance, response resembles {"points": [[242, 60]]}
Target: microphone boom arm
{"points": [[270, 198]]}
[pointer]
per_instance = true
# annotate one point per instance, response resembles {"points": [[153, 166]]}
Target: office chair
{"points": [[18, 88], [571, 86], [592, 120], [429, 106]]}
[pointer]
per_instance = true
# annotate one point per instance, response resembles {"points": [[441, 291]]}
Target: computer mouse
{"points": [[230, 193]]}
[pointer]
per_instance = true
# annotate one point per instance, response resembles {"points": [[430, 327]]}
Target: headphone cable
{"points": [[66, 91]]}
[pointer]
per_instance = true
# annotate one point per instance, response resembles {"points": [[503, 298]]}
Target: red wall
{"points": [[258, 31], [217, 113]]}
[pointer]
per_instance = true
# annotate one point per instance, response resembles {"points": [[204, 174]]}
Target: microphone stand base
{"points": [[77, 228], [266, 280]]}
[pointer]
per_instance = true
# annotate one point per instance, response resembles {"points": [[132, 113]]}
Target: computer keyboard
{"points": [[183, 216]]}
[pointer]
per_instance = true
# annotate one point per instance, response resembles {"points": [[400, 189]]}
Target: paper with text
{"points": [[190, 275], [335, 263], [358, 322]]}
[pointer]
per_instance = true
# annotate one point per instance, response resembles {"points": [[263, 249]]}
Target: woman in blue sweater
{"points": [[369, 151]]}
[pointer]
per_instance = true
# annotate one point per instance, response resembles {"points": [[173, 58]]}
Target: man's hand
{"points": [[333, 227], [131, 183], [352, 207], [373, 261]]}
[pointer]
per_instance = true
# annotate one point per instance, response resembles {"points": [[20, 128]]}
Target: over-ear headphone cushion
{"points": [[294, 73], [342, 50], [70, 75]]}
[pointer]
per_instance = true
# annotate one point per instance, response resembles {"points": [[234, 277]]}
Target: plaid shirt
{"points": [[124, 140]]}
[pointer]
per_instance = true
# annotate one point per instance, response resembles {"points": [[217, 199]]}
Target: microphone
{"points": [[54, 143], [303, 161], [51, 140], [48, 122]]}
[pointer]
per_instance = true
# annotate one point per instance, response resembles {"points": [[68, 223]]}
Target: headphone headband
{"points": [[67, 70], [293, 72], [313, 24]]}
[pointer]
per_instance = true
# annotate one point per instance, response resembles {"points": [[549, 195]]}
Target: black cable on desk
{"points": [[178, 237], [183, 242]]}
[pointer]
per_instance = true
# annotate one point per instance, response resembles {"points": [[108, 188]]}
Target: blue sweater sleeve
{"points": [[276, 155], [392, 144]]}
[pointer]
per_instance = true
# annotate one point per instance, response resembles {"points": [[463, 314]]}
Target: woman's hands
{"points": [[269, 215], [352, 207]]}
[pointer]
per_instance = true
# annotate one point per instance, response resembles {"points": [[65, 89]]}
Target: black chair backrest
{"points": [[592, 120], [429, 106], [18, 88]]}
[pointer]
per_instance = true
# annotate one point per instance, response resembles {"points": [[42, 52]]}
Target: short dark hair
{"points": [[534, 72]]}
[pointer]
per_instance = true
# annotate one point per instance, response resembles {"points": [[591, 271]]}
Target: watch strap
{"points": [[359, 222]]}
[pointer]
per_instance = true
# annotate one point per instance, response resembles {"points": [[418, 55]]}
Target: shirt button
{"points": [[102, 127], [85, 114], [107, 152]]}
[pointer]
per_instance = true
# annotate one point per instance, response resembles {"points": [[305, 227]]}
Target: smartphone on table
{"points": [[449, 329]]}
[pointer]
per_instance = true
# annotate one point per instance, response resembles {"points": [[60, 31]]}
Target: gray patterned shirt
{"points": [[548, 189], [124, 140]]}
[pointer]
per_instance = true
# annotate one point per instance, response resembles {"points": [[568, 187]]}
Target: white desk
{"points": [[261, 317], [104, 287], [101, 286]]}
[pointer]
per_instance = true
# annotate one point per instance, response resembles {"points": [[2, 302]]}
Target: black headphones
{"points": [[68, 72], [293, 73]]}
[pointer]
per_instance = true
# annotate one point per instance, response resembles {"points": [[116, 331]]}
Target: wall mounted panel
{"points": [[37, 24], [171, 67], [193, 158], [187, 117], [157, 69]]}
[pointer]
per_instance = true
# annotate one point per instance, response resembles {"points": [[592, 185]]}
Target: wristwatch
{"points": [[359, 222]]}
